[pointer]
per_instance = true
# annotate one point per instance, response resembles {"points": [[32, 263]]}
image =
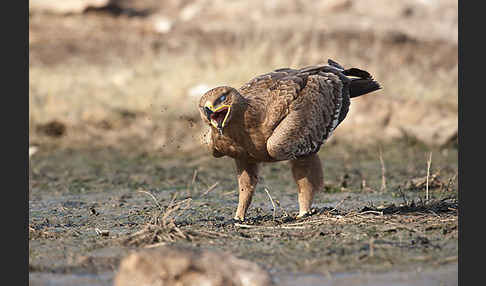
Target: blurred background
{"points": [[129, 73]]}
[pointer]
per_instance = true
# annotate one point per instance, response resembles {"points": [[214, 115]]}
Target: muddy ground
{"points": [[118, 164], [87, 207]]}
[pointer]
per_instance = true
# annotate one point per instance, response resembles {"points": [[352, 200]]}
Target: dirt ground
{"points": [[89, 208], [118, 163]]}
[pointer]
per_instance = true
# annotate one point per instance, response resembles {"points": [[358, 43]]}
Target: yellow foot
{"points": [[303, 214]]}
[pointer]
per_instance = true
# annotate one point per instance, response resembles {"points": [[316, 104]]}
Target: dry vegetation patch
{"points": [[371, 221], [96, 65]]}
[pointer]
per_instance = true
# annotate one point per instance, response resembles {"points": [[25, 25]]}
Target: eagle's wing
{"points": [[313, 111], [304, 106]]}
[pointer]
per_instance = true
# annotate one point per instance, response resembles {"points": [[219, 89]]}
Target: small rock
{"points": [[162, 24], [191, 10], [65, 7], [32, 150], [180, 266]]}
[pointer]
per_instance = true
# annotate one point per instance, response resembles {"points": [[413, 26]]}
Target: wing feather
{"points": [[311, 118], [303, 106]]}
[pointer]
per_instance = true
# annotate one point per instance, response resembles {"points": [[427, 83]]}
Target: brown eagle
{"points": [[286, 114]]}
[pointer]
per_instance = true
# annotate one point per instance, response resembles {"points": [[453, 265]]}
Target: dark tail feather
{"points": [[334, 64], [361, 86], [357, 72], [349, 72]]}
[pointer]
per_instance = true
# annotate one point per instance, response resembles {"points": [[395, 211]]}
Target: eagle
{"points": [[283, 115]]}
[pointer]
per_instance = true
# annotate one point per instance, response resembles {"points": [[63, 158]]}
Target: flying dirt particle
{"points": [[189, 120]]}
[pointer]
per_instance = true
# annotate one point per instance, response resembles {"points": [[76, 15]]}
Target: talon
{"points": [[304, 215]]}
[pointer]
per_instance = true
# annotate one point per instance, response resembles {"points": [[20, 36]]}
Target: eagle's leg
{"points": [[308, 175], [247, 181]]}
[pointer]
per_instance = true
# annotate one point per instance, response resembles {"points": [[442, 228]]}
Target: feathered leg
{"points": [[309, 178], [247, 181]]}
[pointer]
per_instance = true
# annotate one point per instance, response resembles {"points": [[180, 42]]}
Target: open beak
{"points": [[217, 116], [208, 112]]}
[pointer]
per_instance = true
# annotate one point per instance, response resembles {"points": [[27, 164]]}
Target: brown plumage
{"points": [[286, 114]]}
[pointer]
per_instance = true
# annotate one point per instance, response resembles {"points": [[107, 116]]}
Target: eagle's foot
{"points": [[232, 221]]}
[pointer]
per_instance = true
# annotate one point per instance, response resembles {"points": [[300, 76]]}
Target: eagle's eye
{"points": [[220, 99]]}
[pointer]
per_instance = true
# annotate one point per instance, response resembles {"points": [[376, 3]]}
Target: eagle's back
{"points": [[300, 108], [289, 90]]}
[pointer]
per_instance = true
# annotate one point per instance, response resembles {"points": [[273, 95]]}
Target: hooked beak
{"points": [[217, 116], [208, 112]]}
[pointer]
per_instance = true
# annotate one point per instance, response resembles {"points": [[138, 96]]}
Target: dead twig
{"points": [[372, 212], [155, 217], [192, 185], [284, 211], [269, 227], [383, 171], [102, 232], [338, 204], [212, 187], [152, 196], [163, 229], [171, 208], [403, 195], [451, 181], [429, 161], [273, 204]]}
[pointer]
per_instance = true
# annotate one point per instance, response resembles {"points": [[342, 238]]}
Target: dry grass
{"points": [[36, 234], [160, 93], [163, 82], [386, 218], [162, 228], [92, 90]]}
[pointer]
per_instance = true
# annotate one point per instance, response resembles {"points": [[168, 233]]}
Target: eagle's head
{"points": [[218, 106]]}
